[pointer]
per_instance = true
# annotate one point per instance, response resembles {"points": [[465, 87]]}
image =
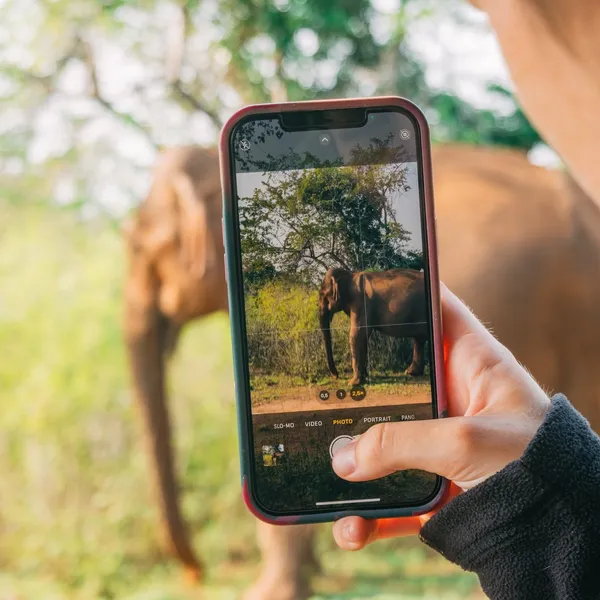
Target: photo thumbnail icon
{"points": [[273, 455]]}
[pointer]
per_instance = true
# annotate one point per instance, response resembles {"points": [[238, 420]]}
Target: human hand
{"points": [[495, 408]]}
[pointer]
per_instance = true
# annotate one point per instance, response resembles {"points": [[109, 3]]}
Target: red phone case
{"points": [[236, 292]]}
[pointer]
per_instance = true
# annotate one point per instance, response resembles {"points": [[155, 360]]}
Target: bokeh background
{"points": [[90, 90]]}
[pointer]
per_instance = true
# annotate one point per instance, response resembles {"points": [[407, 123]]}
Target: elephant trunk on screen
{"points": [[325, 317]]}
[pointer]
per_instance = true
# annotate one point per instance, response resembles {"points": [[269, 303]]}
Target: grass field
{"points": [[76, 519]]}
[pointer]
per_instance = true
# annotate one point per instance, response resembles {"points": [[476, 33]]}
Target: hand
{"points": [[495, 409]]}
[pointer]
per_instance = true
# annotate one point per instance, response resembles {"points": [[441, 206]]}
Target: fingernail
{"points": [[344, 460], [349, 533]]}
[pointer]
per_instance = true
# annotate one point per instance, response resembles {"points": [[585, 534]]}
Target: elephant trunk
{"points": [[325, 323], [146, 340]]}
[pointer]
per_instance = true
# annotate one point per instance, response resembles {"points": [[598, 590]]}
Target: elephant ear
{"points": [[335, 288]]}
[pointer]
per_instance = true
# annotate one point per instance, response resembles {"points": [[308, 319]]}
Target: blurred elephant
{"points": [[521, 245], [391, 302], [176, 274]]}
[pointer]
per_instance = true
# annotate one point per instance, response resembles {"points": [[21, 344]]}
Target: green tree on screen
{"points": [[306, 221]]}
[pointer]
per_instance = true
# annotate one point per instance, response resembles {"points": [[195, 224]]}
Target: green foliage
{"points": [[76, 506], [227, 53], [284, 338], [458, 121], [337, 29], [283, 332], [301, 223]]}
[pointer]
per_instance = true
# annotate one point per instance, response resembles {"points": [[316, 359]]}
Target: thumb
{"points": [[433, 445], [466, 450]]}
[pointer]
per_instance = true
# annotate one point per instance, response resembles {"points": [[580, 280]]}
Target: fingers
{"points": [[458, 320], [471, 353], [432, 445], [354, 533], [461, 325]]}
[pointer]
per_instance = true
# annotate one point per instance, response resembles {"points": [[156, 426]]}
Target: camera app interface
{"points": [[336, 299]]}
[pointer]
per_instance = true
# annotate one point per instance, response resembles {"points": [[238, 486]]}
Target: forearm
{"points": [[532, 530]]}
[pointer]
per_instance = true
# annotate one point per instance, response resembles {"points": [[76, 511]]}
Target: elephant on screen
{"points": [[392, 302]]}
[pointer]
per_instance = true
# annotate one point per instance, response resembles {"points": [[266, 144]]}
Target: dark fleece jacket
{"points": [[532, 530]]}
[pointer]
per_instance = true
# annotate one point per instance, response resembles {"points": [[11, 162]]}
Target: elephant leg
{"points": [[170, 337], [288, 562], [417, 366], [358, 349]]}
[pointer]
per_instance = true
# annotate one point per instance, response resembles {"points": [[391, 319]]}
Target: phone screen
{"points": [[334, 266]]}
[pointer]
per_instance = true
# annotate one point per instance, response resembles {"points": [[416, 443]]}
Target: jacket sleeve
{"points": [[532, 530]]}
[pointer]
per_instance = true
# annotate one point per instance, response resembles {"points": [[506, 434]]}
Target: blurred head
{"points": [[552, 49]]}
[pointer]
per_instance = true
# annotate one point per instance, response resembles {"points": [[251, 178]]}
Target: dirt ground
{"points": [[306, 399]]}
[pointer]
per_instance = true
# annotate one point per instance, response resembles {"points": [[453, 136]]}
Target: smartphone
{"points": [[329, 233]]}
